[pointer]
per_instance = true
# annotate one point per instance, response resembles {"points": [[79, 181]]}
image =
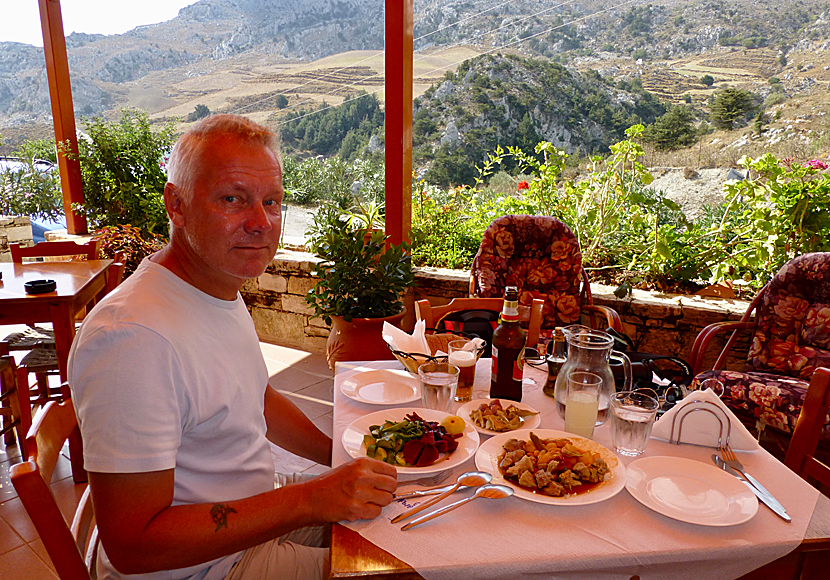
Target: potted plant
{"points": [[361, 280]]}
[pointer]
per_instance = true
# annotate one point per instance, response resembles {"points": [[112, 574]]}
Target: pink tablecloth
{"points": [[617, 538]]}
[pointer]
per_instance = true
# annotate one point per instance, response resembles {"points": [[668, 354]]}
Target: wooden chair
{"points": [[73, 549], [800, 454], [433, 315], [15, 410], [89, 249]]}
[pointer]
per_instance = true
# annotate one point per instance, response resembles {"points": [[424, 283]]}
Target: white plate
{"points": [[487, 459], [354, 446], [530, 422], [382, 387], [690, 491]]}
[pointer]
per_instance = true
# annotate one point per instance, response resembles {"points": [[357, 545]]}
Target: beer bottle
{"points": [[556, 359], [508, 350]]}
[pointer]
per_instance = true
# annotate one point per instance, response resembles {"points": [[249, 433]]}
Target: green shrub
{"points": [[121, 165]]}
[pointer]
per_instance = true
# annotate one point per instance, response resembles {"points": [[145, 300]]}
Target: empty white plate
{"points": [[690, 491], [382, 387]]}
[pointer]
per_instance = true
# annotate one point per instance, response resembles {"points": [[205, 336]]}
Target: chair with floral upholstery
{"points": [[790, 340], [541, 256]]}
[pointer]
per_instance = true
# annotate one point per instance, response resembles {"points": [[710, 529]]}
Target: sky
{"points": [[20, 20]]}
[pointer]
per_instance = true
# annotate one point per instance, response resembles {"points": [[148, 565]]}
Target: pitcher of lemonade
{"points": [[590, 350]]}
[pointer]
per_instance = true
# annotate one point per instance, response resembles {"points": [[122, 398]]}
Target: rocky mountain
{"points": [[156, 67]]}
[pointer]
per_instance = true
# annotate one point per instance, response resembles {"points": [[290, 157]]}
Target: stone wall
{"points": [[14, 230], [658, 323]]}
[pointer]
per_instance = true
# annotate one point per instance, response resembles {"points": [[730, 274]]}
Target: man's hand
{"points": [[357, 490]]}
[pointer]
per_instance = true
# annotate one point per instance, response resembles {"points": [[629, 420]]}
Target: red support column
{"points": [[398, 118], [63, 115]]}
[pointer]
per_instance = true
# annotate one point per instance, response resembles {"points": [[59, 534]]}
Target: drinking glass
{"points": [[463, 356], [438, 383], [714, 384], [632, 416], [582, 403]]}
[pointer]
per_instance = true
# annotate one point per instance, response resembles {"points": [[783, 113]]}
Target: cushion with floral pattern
{"points": [[537, 254]]}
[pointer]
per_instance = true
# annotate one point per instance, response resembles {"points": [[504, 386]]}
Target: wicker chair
{"points": [[790, 340]]}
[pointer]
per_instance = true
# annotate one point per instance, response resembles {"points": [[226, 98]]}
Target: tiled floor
{"points": [[303, 377]]}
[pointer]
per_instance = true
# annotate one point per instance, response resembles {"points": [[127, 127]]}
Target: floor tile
{"points": [[283, 354], [23, 564], [9, 539], [324, 390], [291, 379], [311, 407], [287, 462], [67, 495], [14, 514], [325, 423]]}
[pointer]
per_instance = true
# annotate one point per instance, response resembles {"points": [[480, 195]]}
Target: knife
{"points": [[765, 497]]}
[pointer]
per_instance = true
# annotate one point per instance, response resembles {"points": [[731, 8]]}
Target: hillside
{"points": [[238, 55]]}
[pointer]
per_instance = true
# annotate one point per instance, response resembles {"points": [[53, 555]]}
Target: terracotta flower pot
{"points": [[360, 339]]}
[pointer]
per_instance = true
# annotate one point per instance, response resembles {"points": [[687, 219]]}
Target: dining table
{"points": [[616, 538]]}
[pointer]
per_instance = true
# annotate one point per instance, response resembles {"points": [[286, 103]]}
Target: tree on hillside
{"points": [[200, 112], [673, 130], [281, 101], [729, 106], [707, 80]]}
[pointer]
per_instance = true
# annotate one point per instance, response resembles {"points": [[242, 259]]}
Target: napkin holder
{"points": [[687, 409]]}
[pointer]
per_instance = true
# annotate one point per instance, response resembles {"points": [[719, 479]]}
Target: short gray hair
{"points": [[184, 159]]}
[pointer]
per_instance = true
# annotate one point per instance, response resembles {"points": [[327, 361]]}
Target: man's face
{"points": [[230, 222]]}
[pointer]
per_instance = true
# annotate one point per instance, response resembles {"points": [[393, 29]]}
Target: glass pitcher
{"points": [[590, 350]]}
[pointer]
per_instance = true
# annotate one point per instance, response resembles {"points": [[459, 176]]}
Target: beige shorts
{"points": [[298, 555]]}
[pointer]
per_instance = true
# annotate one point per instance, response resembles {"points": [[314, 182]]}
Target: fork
{"points": [[732, 461], [430, 480]]}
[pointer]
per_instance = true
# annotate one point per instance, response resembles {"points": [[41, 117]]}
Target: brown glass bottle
{"points": [[508, 351], [555, 360]]}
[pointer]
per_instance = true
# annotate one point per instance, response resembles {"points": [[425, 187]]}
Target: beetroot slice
{"points": [[412, 451], [428, 456], [452, 444]]}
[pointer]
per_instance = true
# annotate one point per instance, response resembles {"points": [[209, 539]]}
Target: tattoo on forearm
{"points": [[219, 512]]}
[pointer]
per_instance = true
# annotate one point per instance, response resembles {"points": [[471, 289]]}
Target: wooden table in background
{"points": [[77, 285]]}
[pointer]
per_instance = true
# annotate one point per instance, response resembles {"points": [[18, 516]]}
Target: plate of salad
{"points": [[412, 439]]}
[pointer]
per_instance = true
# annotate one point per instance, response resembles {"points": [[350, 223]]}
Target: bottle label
{"points": [[510, 311], [518, 366], [494, 363]]}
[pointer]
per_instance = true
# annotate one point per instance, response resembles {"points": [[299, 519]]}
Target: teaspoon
{"points": [[489, 491], [469, 479]]}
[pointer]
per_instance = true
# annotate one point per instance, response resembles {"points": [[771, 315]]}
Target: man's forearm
{"points": [[289, 428], [185, 535]]}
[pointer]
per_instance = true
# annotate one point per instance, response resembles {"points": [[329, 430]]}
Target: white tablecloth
{"points": [[617, 538]]}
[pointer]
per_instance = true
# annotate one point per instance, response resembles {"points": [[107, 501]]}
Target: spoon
{"points": [[469, 479], [491, 491]]}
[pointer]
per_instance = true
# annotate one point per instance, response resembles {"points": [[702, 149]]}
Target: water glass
{"points": [[582, 403], [438, 383], [463, 355], [632, 417]]}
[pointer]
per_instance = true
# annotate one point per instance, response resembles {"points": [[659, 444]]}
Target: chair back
{"points": [[55, 249], [792, 322], [15, 408], [72, 548], [541, 257], [433, 316], [812, 420]]}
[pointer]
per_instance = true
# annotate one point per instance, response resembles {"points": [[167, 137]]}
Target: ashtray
{"points": [[39, 286]]}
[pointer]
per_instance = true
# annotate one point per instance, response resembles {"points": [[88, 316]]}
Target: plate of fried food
{"points": [[494, 416], [552, 467]]}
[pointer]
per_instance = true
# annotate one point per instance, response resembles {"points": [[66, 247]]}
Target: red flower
{"points": [[523, 185]]}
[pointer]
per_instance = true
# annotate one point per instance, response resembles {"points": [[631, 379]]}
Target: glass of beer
{"points": [[463, 355]]}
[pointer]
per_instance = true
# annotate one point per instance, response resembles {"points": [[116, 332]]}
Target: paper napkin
{"points": [[398, 339], [700, 427]]}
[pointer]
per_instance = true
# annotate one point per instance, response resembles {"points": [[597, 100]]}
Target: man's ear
{"points": [[173, 204]]}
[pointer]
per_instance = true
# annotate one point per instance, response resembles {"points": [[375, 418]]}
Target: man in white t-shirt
{"points": [[172, 392]]}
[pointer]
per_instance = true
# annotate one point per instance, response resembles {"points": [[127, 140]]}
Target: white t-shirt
{"points": [[164, 376]]}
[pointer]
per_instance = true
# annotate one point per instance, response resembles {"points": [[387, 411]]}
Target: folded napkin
{"points": [[700, 427], [415, 343]]}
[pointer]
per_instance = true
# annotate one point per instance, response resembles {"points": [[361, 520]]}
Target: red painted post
{"points": [[398, 118], [63, 115]]}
